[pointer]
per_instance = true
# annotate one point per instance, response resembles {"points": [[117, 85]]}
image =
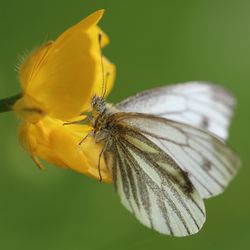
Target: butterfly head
{"points": [[98, 105]]}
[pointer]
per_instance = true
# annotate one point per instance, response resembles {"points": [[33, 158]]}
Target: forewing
{"points": [[152, 186], [200, 104], [209, 162]]}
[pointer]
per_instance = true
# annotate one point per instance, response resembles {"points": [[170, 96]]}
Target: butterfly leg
{"points": [[90, 133], [100, 157], [86, 118]]}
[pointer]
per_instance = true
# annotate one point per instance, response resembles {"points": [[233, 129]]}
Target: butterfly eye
{"points": [[93, 101]]}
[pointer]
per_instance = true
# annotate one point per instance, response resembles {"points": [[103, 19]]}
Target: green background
{"points": [[152, 43]]}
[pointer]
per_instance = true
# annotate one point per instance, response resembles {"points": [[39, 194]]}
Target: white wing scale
{"points": [[153, 187], [200, 104], [208, 162]]}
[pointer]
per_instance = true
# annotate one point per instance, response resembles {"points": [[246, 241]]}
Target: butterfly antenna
{"points": [[104, 82]]}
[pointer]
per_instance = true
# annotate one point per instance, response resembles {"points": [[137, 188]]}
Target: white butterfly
{"points": [[166, 152]]}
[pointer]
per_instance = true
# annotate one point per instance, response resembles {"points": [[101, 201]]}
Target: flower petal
{"points": [[29, 109], [50, 140], [63, 75]]}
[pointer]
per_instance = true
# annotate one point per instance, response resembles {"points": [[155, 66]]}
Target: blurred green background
{"points": [[152, 43]]}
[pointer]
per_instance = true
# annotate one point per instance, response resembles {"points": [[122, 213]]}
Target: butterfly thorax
{"points": [[100, 122]]}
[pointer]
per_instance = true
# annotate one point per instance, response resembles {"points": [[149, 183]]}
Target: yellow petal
{"points": [[50, 140], [30, 66], [29, 109], [64, 74]]}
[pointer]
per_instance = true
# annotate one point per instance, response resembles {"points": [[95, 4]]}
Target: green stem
{"points": [[7, 103]]}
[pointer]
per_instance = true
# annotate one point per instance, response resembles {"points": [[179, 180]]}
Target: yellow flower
{"points": [[58, 81]]}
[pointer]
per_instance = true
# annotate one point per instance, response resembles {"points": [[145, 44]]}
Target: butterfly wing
{"points": [[203, 105], [152, 186], [209, 163]]}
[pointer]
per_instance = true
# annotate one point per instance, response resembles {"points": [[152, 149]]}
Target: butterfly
{"points": [[165, 149]]}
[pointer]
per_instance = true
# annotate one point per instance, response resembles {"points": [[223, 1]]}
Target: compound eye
{"points": [[94, 99]]}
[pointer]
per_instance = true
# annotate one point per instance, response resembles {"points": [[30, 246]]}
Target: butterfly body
{"points": [[101, 120]]}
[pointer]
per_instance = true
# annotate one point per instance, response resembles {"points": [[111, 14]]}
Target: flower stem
{"points": [[7, 103]]}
